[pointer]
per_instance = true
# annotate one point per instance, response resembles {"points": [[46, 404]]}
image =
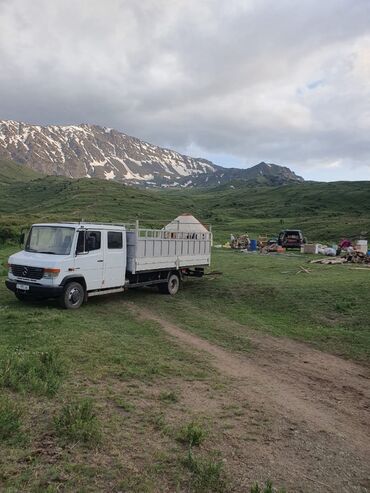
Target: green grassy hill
{"points": [[324, 211], [11, 172]]}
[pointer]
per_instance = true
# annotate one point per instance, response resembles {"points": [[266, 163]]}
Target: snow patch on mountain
{"points": [[89, 150], [109, 175]]}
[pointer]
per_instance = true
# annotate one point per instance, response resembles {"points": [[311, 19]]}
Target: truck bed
{"points": [[151, 249]]}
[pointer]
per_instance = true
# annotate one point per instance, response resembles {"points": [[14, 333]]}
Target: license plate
{"points": [[23, 287]]}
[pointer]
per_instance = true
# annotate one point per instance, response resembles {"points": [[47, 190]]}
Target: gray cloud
{"points": [[238, 81]]}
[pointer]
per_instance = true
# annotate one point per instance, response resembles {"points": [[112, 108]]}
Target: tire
{"points": [[171, 286], [73, 296]]}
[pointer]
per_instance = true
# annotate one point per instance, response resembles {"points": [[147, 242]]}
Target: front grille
{"points": [[27, 272]]}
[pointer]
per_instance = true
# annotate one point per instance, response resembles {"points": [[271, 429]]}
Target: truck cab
{"points": [[69, 261]]}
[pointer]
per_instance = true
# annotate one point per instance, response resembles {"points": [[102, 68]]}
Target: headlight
{"points": [[51, 273]]}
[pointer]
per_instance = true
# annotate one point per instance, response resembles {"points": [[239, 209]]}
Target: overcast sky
{"points": [[234, 81]]}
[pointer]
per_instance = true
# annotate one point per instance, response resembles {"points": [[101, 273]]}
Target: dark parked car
{"points": [[291, 238]]}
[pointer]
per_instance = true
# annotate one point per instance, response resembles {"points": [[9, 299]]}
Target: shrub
{"points": [[40, 373], [126, 406], [168, 396], [77, 422], [9, 418], [192, 434], [268, 488], [207, 475]]}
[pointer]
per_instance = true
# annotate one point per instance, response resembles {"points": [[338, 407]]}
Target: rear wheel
{"points": [[171, 286], [73, 296]]}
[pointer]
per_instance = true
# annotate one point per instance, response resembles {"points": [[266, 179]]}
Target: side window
{"points": [[88, 241], [114, 239], [93, 240]]}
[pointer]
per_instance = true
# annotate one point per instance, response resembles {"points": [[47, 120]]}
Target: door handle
{"points": [[100, 260]]}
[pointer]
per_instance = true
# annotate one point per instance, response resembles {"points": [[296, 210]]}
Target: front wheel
{"points": [[73, 296], [171, 286]]}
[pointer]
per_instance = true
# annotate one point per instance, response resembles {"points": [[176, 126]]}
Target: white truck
{"points": [[74, 261]]}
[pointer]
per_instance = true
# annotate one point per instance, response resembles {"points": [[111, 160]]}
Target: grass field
{"points": [[327, 307], [99, 400]]}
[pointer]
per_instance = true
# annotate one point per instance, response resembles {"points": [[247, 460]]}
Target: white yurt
{"points": [[186, 223]]}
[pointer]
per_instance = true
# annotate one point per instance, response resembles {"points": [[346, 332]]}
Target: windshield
{"points": [[55, 240]]}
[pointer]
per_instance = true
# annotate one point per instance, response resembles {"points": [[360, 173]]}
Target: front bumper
{"points": [[37, 290], [292, 245]]}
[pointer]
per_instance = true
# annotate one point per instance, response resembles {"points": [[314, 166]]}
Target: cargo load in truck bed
{"points": [[184, 242]]}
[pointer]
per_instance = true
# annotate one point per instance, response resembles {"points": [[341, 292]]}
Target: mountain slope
{"points": [[260, 174], [79, 151], [11, 171], [325, 211]]}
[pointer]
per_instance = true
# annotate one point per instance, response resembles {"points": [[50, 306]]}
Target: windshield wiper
{"points": [[51, 253]]}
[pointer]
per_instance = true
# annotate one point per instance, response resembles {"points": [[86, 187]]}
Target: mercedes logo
{"points": [[25, 271]]}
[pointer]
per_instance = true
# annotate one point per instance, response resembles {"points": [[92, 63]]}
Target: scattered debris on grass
{"points": [[357, 257], [350, 257], [239, 242], [329, 261]]}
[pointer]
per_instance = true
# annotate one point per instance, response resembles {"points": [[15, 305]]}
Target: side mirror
{"points": [[21, 239]]}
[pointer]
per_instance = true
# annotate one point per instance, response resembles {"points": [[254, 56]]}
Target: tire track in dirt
{"points": [[324, 392]]}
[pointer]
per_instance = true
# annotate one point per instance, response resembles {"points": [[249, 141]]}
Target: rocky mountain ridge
{"points": [[78, 151]]}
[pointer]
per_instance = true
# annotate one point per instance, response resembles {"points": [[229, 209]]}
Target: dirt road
{"points": [[306, 414]]}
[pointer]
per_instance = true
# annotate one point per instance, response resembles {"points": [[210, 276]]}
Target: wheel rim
{"points": [[174, 284], [74, 296]]}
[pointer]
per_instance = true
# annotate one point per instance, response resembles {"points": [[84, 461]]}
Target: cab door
{"points": [[89, 260], [115, 258]]}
